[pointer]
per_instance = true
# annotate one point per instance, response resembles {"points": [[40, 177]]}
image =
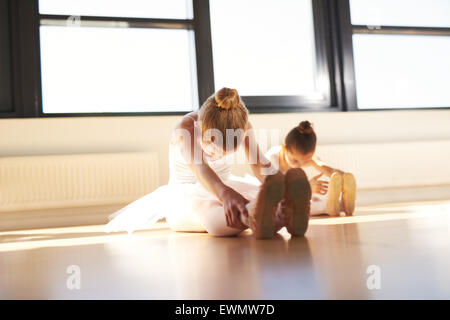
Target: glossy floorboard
{"points": [[408, 243]]}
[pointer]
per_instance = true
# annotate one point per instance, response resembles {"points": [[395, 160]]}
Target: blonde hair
{"points": [[224, 110]]}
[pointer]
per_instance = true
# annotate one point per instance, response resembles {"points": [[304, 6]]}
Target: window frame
{"points": [[26, 73], [23, 59], [324, 74], [347, 30], [197, 23], [20, 58], [5, 60]]}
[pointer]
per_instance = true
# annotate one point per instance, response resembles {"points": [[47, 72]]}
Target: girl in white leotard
{"points": [[202, 194], [333, 190]]}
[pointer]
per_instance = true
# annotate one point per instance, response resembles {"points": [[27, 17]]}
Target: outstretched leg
{"points": [[264, 219]]}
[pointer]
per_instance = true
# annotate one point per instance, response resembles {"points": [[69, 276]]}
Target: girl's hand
{"points": [[318, 186], [234, 205]]}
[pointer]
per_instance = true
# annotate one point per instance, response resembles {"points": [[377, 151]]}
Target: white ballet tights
{"points": [[208, 214], [319, 204]]}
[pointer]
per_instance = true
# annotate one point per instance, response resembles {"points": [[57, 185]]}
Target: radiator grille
{"points": [[390, 165], [35, 182]]}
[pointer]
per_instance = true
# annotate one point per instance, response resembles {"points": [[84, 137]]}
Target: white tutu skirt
{"points": [[184, 205]]}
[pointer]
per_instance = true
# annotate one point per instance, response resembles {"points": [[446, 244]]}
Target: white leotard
{"points": [[179, 172], [183, 200]]}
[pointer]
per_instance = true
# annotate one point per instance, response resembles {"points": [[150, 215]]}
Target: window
{"points": [[402, 71], [169, 9], [411, 13], [101, 57], [267, 51], [135, 57], [261, 58], [114, 64], [124, 70], [400, 52]]}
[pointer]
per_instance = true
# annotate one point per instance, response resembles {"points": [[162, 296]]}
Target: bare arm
{"points": [[326, 170], [233, 202], [258, 162]]}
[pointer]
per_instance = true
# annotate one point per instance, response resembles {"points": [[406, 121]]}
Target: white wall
{"points": [[39, 136]]}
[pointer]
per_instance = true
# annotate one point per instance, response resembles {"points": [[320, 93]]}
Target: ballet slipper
{"points": [[262, 217], [298, 195], [349, 193], [334, 192]]}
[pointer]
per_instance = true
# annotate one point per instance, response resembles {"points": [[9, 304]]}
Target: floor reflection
{"points": [[408, 242]]}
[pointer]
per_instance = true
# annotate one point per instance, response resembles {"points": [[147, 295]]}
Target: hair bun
{"points": [[305, 127], [227, 98]]}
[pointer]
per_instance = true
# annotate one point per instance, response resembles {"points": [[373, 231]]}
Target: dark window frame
{"points": [[347, 32], [25, 56], [20, 59], [103, 21], [324, 74], [5, 60], [151, 23], [22, 56]]}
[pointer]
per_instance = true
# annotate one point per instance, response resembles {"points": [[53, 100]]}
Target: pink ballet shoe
{"points": [[262, 217], [349, 193], [334, 193], [298, 195]]}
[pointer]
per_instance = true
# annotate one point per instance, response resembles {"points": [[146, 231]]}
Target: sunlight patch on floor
{"points": [[88, 235], [72, 236], [409, 213]]}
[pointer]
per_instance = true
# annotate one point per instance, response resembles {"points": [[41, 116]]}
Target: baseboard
{"points": [[370, 197], [75, 180]]}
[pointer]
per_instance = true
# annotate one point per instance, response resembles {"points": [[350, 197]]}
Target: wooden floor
{"points": [[409, 243]]}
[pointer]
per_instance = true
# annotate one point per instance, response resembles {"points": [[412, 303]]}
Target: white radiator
{"points": [[392, 165], [379, 165], [57, 181]]}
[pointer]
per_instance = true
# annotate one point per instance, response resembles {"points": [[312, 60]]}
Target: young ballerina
{"points": [[298, 151], [202, 194]]}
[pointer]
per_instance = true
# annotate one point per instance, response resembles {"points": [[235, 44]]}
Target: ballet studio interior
{"points": [[347, 100]]}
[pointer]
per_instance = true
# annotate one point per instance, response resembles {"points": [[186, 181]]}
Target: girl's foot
{"points": [[262, 217], [349, 193], [298, 196], [334, 192]]}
